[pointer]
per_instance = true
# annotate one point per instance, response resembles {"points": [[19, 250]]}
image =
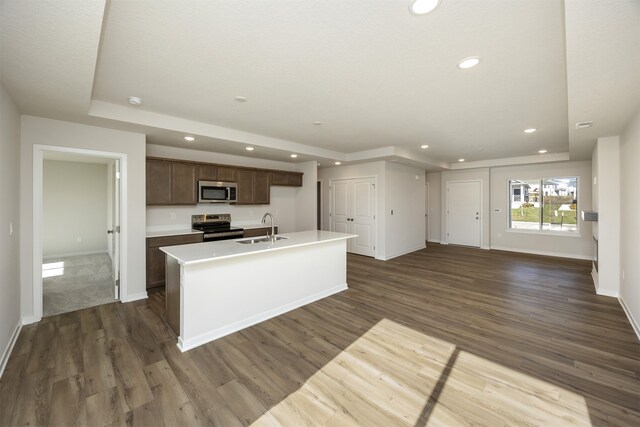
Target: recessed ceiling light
{"points": [[293, 156], [134, 100], [317, 123], [530, 130], [422, 7], [469, 62], [189, 138], [424, 146], [542, 151], [461, 160], [248, 148], [337, 163], [240, 99]]}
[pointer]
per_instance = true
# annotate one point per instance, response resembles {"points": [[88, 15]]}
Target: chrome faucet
{"points": [[264, 219]]}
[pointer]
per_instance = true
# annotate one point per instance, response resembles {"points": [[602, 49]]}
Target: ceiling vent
{"points": [[583, 125]]}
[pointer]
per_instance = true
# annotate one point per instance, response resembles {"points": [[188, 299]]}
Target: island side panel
{"points": [[224, 296], [172, 293]]}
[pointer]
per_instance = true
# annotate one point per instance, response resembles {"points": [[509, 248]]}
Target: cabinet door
{"points": [[295, 179], [155, 267], [158, 182], [227, 174], [207, 172], [259, 232], [291, 179], [183, 185], [279, 178], [245, 186], [261, 187]]}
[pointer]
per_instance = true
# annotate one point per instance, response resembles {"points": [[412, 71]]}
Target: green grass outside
{"points": [[533, 215]]}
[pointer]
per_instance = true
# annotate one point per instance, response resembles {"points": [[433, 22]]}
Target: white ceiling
{"points": [[383, 81]]}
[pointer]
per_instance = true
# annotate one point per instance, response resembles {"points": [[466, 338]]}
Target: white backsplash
{"points": [[179, 217]]}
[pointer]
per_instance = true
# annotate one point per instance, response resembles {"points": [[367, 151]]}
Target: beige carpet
{"points": [[76, 282]]}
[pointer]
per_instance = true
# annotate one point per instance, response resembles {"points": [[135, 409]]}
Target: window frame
{"points": [[541, 179]]}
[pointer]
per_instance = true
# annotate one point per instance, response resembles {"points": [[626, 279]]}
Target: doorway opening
{"points": [[77, 239]]}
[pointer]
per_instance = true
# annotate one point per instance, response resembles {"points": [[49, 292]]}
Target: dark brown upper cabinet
{"points": [[253, 187], [175, 182], [171, 183], [292, 179]]}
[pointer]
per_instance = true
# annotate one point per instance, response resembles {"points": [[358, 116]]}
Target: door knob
{"points": [[109, 231]]}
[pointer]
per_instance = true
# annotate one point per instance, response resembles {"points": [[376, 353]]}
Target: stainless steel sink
{"points": [[261, 240]]}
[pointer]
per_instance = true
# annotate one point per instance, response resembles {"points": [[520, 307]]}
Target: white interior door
{"points": [[353, 212], [115, 231], [340, 206], [362, 217], [463, 213], [426, 212]]}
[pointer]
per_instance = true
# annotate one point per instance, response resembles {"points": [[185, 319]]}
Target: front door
{"points": [[463, 213]]}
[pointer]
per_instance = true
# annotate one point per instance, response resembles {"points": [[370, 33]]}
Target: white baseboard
{"points": [[433, 241], [134, 297], [607, 293], [7, 351], [68, 254], [185, 345], [27, 320], [408, 251], [634, 323], [545, 253]]}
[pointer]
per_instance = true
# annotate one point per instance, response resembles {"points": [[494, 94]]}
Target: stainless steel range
{"points": [[216, 227]]}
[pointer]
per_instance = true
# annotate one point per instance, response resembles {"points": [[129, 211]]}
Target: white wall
{"points": [[39, 131], [435, 200], [74, 208], [9, 217], [606, 186], [630, 221], [306, 197], [405, 196], [397, 189], [481, 175], [373, 169], [283, 199], [540, 243]]}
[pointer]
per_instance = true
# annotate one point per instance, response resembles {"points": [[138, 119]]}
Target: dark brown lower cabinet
{"points": [[156, 258], [257, 232]]}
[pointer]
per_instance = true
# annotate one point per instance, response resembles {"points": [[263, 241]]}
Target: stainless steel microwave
{"points": [[217, 192]]}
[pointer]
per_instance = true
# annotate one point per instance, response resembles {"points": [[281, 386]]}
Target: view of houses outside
{"points": [[544, 204]]}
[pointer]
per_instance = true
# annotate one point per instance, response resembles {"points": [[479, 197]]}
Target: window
{"points": [[548, 204]]}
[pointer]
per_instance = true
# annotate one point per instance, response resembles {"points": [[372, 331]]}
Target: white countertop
{"points": [[172, 232], [209, 251]]}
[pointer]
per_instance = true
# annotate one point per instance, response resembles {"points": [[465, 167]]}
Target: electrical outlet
{"points": [[172, 215], [78, 239]]}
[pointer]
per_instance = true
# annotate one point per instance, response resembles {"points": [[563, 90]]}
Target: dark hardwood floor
{"points": [[442, 336]]}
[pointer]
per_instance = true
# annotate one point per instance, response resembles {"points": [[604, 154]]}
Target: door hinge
{"points": [[117, 228], [374, 217]]}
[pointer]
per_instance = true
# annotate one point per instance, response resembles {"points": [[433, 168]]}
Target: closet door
{"points": [[353, 212]]}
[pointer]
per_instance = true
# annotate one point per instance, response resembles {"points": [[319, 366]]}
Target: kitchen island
{"points": [[216, 288]]}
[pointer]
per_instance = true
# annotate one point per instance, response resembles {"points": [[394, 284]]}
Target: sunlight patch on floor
{"points": [[393, 375], [52, 269]]}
